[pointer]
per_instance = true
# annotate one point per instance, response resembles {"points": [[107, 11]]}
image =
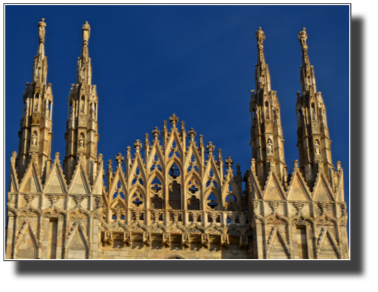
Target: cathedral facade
{"points": [[180, 199]]}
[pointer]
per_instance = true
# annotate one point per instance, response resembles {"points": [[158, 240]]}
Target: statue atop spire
{"points": [[86, 32], [260, 36], [41, 26], [302, 36]]}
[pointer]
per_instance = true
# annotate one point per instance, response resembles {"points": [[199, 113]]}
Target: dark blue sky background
{"points": [[195, 61]]}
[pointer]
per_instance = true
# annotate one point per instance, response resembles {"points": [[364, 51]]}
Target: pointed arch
{"points": [[171, 162]]}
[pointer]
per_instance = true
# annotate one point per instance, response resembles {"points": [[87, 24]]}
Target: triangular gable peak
{"points": [[155, 152], [55, 181], [79, 182], [174, 136], [137, 163], [211, 165], [193, 157], [273, 189], [322, 190], [118, 178], [297, 189], [31, 181]]}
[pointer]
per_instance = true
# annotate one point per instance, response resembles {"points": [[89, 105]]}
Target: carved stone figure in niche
{"points": [[36, 106], [317, 147], [82, 108], [322, 116], [270, 146], [34, 139], [81, 142]]}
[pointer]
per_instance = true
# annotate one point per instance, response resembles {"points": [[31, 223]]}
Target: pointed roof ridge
{"points": [[79, 168], [33, 163], [299, 173], [56, 165], [317, 183]]}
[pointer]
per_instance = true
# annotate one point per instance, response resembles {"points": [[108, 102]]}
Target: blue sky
{"points": [[195, 61]]}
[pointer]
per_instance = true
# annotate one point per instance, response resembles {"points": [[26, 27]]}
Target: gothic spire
{"points": [[307, 71], [82, 128], [262, 75], [84, 68], [314, 143], [39, 74], [266, 131]]}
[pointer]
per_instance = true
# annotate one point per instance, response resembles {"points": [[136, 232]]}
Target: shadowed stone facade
{"points": [[180, 199]]}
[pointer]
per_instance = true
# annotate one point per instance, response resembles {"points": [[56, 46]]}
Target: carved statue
{"points": [[270, 146], [81, 142], [82, 108], [41, 26], [34, 139], [86, 31], [317, 147], [302, 36], [322, 116], [36, 106]]}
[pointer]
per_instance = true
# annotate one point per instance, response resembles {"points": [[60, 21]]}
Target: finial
{"points": [[201, 139], [41, 30], [219, 154], [128, 150], [174, 120], [109, 164], [86, 32], [295, 164], [13, 158], [229, 162], [338, 166], [156, 133], [211, 148], [191, 134], [164, 125], [137, 146], [119, 159]]}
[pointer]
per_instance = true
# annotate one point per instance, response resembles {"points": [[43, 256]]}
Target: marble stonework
{"points": [[180, 199]]}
